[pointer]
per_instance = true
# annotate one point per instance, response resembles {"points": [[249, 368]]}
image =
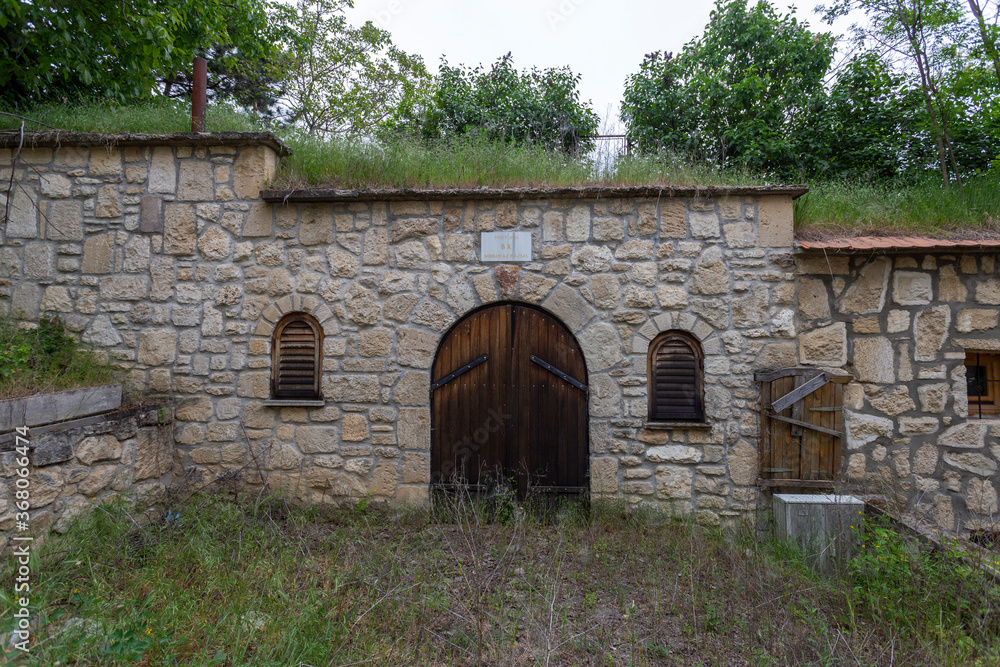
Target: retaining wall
{"points": [[161, 251], [77, 464]]}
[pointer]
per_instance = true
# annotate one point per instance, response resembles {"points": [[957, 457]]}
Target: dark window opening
{"points": [[982, 376], [675, 371], [296, 365]]}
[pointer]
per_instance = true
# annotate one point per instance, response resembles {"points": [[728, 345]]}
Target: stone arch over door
{"points": [[509, 399]]}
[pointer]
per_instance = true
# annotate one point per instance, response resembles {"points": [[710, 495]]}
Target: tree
{"points": [[972, 92], [866, 126], [51, 50], [540, 107], [342, 79], [658, 108], [249, 66], [989, 33], [930, 35], [742, 91]]}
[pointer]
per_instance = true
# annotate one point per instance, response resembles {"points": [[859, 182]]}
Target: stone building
{"points": [[906, 317], [306, 331]]}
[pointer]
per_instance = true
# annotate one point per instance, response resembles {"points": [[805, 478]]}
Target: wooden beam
{"points": [[828, 431], [800, 392], [804, 372], [811, 483]]}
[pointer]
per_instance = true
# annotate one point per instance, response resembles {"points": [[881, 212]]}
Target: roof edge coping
{"points": [[330, 195], [57, 138]]}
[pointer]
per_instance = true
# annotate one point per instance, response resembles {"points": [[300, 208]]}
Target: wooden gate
{"points": [[801, 422], [509, 398]]}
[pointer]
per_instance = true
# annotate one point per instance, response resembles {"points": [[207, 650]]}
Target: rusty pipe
{"points": [[199, 95]]}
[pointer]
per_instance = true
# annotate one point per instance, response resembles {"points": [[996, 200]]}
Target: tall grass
{"points": [[403, 163], [921, 206], [43, 357], [356, 163], [907, 207], [154, 117], [209, 581]]}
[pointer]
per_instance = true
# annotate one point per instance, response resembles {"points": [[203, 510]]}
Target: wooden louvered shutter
{"points": [[675, 377], [296, 364]]}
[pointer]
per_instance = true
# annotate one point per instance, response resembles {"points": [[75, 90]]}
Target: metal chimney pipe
{"points": [[199, 95]]}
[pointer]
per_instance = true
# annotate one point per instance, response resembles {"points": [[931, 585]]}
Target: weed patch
{"points": [[35, 359], [210, 581]]}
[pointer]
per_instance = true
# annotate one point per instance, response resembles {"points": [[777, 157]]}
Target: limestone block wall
{"points": [[81, 463], [164, 254], [902, 324]]}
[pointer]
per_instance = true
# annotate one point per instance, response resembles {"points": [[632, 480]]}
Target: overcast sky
{"points": [[601, 40]]}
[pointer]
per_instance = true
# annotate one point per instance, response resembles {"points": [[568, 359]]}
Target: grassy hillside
{"points": [[208, 581]]}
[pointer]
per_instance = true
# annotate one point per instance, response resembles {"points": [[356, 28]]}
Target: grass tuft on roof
{"points": [[830, 208]]}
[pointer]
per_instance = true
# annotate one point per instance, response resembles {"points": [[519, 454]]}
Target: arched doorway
{"points": [[509, 397]]}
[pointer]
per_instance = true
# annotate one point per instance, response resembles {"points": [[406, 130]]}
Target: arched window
{"points": [[296, 365], [675, 371]]}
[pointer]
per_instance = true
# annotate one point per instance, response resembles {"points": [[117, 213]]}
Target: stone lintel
{"points": [[673, 426], [294, 403]]}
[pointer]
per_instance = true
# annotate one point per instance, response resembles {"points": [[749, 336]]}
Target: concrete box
{"points": [[825, 527]]}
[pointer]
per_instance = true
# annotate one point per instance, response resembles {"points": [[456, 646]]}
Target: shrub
{"points": [[44, 357]]}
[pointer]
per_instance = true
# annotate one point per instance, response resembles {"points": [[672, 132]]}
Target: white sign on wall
{"points": [[506, 246]]}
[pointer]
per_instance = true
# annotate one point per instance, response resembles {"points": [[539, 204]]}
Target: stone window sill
{"points": [[663, 426], [294, 403]]}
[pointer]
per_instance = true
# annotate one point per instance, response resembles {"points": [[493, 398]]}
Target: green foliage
{"points": [[54, 50], [44, 357], [866, 128], [936, 592], [920, 94], [741, 95], [974, 112], [658, 107], [345, 80], [305, 64], [540, 107], [931, 42], [753, 77]]}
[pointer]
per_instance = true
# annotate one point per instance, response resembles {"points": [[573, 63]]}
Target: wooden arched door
{"points": [[509, 397]]}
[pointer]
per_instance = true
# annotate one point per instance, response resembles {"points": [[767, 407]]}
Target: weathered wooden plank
{"points": [[800, 392], [805, 425], [786, 372], [805, 483]]}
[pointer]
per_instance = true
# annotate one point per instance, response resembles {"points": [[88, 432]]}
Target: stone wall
{"points": [[902, 323], [76, 465], [166, 256]]}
